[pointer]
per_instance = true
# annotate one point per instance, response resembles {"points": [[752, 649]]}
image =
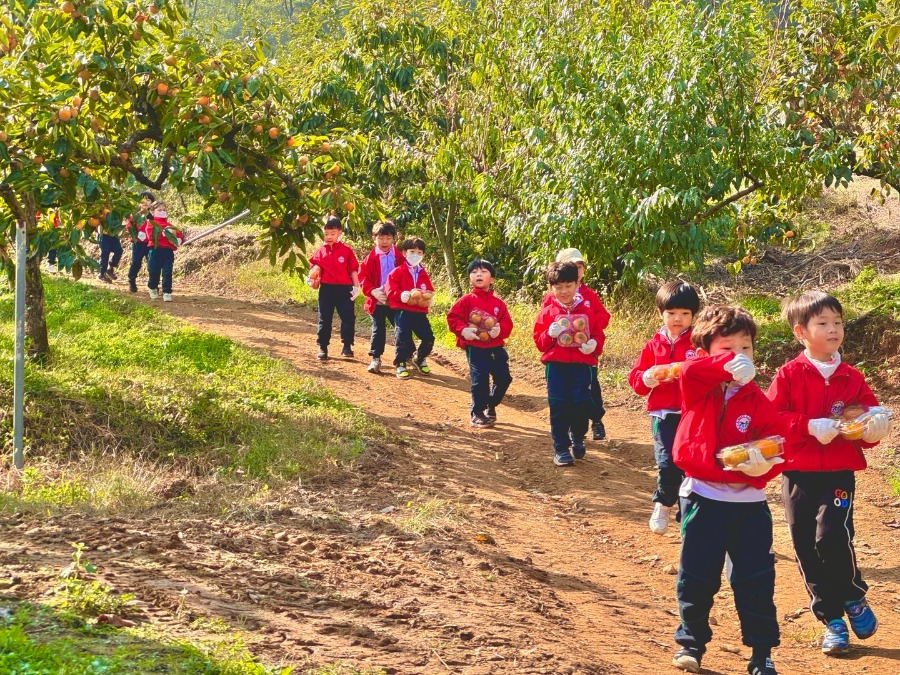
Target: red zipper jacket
{"points": [[370, 275], [549, 347], [710, 423], [156, 230], [401, 279], [660, 350], [486, 301], [800, 393], [337, 261], [593, 307]]}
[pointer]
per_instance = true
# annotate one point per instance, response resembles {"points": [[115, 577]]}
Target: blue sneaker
{"points": [[837, 638], [578, 451], [563, 458], [862, 618]]}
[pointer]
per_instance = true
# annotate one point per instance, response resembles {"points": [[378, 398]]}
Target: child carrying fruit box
{"points": [[373, 273], [817, 392], [481, 324], [652, 376], [567, 351], [724, 509], [163, 239], [409, 291]]}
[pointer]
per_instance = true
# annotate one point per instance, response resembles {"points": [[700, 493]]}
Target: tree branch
{"points": [[715, 208]]}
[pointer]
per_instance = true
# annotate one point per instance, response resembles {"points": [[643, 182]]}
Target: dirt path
{"points": [[554, 571]]}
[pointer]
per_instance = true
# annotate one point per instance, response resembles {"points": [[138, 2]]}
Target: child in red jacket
{"points": [[334, 273], [599, 322], [410, 292], [819, 486], [725, 511], [481, 324], [373, 274], [568, 362], [677, 302], [163, 239]]}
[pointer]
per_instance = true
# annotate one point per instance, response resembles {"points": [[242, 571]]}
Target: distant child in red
{"points": [[599, 322], [163, 239], [567, 368], [481, 324], [819, 485], [725, 511], [139, 247], [373, 274], [677, 302], [410, 293], [334, 273]]}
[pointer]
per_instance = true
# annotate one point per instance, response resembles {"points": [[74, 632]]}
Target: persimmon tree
{"points": [[102, 97]]}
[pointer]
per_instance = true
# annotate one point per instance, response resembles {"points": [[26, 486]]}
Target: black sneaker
{"points": [[491, 413], [480, 421], [132, 285], [761, 667], [323, 353], [563, 458], [578, 451], [599, 431], [687, 659], [346, 351], [104, 278], [112, 274]]}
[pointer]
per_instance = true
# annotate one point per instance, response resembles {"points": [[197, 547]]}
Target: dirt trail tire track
{"points": [[565, 577]]}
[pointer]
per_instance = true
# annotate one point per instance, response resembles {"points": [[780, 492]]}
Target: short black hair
{"points": [[721, 321], [333, 223], [800, 310], [481, 264], [385, 227], [562, 272], [412, 242], [677, 295], [146, 194]]}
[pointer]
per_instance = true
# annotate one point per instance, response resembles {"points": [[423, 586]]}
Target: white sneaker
{"points": [[167, 297], [659, 521], [154, 294], [375, 366]]}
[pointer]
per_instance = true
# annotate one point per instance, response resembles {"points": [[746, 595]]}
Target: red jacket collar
{"points": [[482, 294]]}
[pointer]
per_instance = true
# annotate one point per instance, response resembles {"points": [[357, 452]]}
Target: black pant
{"points": [[161, 261], [597, 409], [51, 256], [109, 246], [139, 251], [408, 323], [569, 397], [381, 316], [335, 297], [668, 476], [486, 364], [818, 507], [709, 530]]}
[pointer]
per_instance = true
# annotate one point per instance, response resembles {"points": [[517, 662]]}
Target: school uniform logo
{"points": [[841, 499], [340, 258], [742, 423], [587, 303], [496, 311], [837, 408], [689, 354], [422, 287]]}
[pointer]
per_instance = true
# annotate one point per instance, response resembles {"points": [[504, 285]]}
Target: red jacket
{"points": [[370, 275], [155, 234], [710, 423], [486, 301], [594, 307], [800, 393], [401, 279], [549, 347], [337, 261], [658, 351]]}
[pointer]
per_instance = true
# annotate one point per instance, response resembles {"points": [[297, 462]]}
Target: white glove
{"points": [[142, 236], [757, 465], [354, 293], [825, 430], [379, 295], [741, 369], [310, 281], [588, 347], [494, 332], [555, 330], [468, 333], [648, 379], [404, 296], [179, 241], [877, 427]]}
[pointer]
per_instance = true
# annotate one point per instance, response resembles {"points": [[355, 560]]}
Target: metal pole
{"points": [[19, 378], [217, 227]]}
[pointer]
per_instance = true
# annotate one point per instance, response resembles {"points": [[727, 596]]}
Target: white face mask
{"points": [[414, 259], [162, 215]]}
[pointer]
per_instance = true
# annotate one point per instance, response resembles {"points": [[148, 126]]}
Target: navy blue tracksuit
{"points": [[110, 253], [139, 252], [668, 475], [569, 398], [336, 297], [381, 316], [408, 323], [486, 364]]}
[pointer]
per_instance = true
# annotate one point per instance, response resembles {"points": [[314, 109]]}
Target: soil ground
{"points": [[542, 570]]}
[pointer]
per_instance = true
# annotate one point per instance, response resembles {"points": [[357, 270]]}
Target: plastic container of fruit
{"points": [[576, 330], [853, 420], [667, 372], [420, 298], [482, 322], [769, 447]]}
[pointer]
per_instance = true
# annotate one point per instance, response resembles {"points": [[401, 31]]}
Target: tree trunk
{"points": [[445, 231], [35, 319]]}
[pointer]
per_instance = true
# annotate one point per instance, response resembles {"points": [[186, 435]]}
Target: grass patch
{"points": [[132, 390], [431, 515]]}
